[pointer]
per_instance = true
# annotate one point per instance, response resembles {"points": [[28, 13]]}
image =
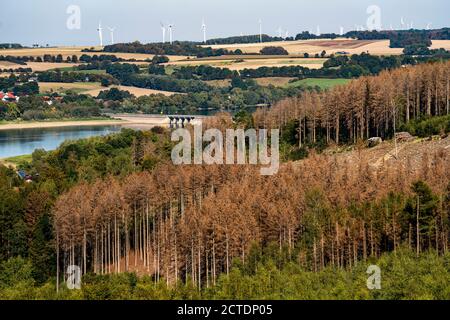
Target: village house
{"points": [[8, 97]]}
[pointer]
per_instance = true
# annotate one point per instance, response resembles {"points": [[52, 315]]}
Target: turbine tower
{"points": [[100, 33], [280, 32], [163, 29], [428, 27], [204, 30], [402, 22], [111, 30], [341, 31], [260, 30], [171, 33]]}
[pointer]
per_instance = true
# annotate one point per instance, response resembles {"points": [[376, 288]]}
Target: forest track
{"points": [[411, 153]]}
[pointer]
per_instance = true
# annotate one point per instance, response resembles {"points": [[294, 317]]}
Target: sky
{"points": [[49, 21]]}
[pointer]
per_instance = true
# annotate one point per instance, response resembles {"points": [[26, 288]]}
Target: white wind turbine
{"points": [[100, 33], [204, 30], [280, 32], [286, 35], [318, 31], [428, 27], [402, 22], [171, 26], [111, 30], [260, 30], [341, 31], [163, 29]]}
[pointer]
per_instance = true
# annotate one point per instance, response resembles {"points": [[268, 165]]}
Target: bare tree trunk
{"points": [[57, 261], [417, 228]]}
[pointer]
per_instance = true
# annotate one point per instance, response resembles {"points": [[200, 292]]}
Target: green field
{"points": [[321, 83], [19, 159], [74, 69]]}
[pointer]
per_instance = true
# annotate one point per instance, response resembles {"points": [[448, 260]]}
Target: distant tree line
{"points": [[16, 70], [177, 48], [203, 72], [10, 46], [71, 77], [245, 39], [33, 107]]}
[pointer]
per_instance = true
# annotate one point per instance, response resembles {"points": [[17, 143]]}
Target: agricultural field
{"points": [[138, 92], [274, 81], [375, 47], [237, 63], [94, 88], [317, 82], [78, 87]]}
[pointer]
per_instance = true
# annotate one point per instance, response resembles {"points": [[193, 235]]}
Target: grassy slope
{"points": [[322, 83]]}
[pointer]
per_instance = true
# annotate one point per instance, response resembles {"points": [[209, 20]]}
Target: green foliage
{"points": [[243, 119], [274, 51], [114, 94], [426, 127], [267, 274]]}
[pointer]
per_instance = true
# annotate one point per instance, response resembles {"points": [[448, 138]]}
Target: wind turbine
{"points": [[318, 31], [111, 30], [163, 29], [428, 27], [402, 22], [100, 33], [280, 32], [204, 30], [171, 33], [341, 31], [286, 35], [260, 30]]}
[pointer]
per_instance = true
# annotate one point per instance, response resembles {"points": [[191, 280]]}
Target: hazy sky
{"points": [[45, 21]]}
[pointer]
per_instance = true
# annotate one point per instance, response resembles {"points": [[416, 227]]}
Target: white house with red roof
{"points": [[8, 97]]}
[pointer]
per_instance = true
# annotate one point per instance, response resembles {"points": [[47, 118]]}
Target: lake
{"points": [[17, 142]]}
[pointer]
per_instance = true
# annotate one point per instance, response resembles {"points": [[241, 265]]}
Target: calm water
{"points": [[20, 142]]}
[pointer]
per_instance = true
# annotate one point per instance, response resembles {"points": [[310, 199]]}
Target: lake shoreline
{"points": [[60, 124]]}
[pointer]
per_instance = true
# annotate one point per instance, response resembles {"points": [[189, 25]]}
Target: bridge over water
{"points": [[171, 121]]}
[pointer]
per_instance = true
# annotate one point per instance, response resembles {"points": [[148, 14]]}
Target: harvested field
{"points": [[138, 92], [351, 46], [79, 87], [275, 81], [250, 62], [94, 88]]}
